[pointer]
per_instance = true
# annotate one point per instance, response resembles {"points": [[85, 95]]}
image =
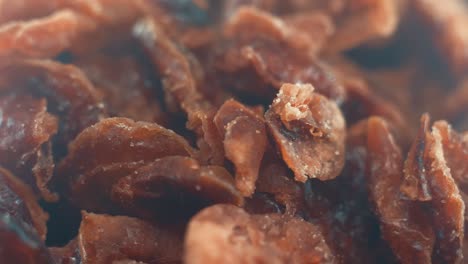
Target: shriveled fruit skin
{"points": [[174, 187], [309, 131], [405, 225], [92, 163], [25, 145], [225, 233], [245, 142]]}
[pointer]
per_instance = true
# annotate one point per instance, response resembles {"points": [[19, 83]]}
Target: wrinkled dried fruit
{"points": [[25, 130], [127, 87], [69, 94], [274, 54], [93, 166], [245, 141], [404, 224], [309, 130], [342, 208], [448, 205], [224, 233], [415, 184], [180, 86], [105, 238], [174, 186]]}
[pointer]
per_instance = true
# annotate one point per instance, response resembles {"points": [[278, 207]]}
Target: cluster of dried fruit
{"points": [[234, 131]]}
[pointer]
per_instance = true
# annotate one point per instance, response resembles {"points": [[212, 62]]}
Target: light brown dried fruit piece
{"points": [[95, 149], [245, 141], [174, 186], [309, 130], [227, 234], [404, 224]]}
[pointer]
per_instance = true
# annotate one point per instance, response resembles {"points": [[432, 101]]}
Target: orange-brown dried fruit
{"points": [[225, 233], [309, 130], [174, 185], [245, 141], [84, 169]]}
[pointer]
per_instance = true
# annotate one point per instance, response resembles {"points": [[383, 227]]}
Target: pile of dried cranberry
{"points": [[233, 131]]}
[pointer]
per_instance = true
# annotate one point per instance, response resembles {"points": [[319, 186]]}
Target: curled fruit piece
{"points": [[404, 224], [25, 136], [245, 141], [273, 51], [92, 165], [309, 130], [69, 94], [180, 85], [449, 208], [175, 185], [227, 234], [415, 184]]}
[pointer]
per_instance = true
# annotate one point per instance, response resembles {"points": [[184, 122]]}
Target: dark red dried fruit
{"points": [[105, 239], [17, 201], [245, 141], [92, 165], [20, 243], [224, 233], [69, 94], [174, 186], [404, 224], [309, 130], [25, 131]]}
